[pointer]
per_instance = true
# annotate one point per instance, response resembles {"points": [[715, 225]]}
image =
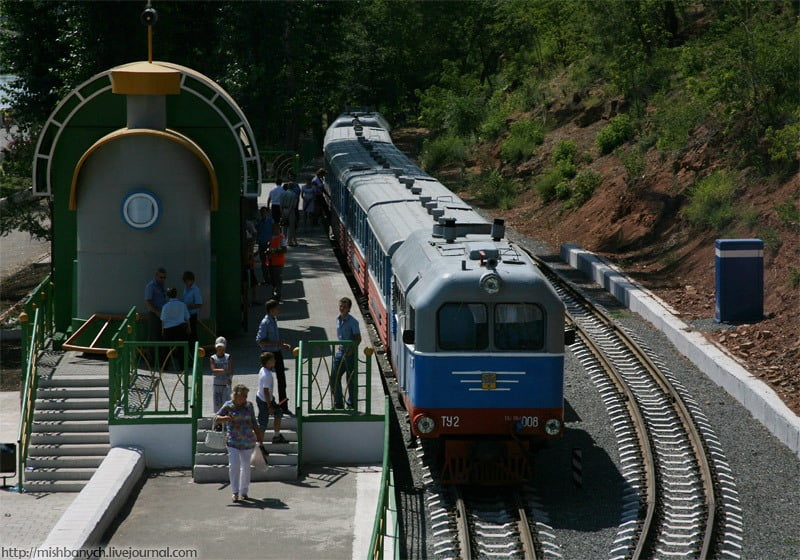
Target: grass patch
{"points": [[619, 130], [444, 150], [493, 189], [711, 201], [523, 137]]}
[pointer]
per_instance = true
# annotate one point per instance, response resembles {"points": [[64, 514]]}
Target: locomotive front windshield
{"points": [[515, 326]]}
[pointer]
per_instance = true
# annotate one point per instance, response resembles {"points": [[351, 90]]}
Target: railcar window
{"points": [[463, 326], [518, 326]]}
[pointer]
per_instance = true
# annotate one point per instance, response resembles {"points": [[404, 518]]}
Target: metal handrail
{"points": [[196, 402], [314, 373], [380, 527], [31, 337]]}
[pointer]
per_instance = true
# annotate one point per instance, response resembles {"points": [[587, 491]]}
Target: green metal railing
{"points": [[30, 349], [144, 377], [314, 369], [386, 518], [35, 335]]}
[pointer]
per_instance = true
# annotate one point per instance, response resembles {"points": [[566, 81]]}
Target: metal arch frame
{"points": [[246, 143]]}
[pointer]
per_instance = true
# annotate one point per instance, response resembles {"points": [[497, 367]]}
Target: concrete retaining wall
{"points": [[95, 508]]}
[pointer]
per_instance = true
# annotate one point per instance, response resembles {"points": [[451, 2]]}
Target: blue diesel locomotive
{"points": [[474, 331]]}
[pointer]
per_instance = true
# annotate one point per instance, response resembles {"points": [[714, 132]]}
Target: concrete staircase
{"points": [[211, 465], [69, 436]]}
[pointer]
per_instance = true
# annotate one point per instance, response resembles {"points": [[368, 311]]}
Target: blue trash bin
{"points": [[739, 280]]}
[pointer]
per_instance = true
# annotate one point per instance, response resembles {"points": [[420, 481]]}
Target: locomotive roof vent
{"points": [[359, 130], [416, 190], [437, 213], [424, 199], [431, 206], [498, 229], [407, 181], [449, 229], [397, 171]]}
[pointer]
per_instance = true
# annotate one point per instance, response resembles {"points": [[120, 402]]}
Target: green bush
{"points": [[711, 201], [444, 150], [566, 168], [784, 143], [618, 131], [788, 213], [562, 190], [565, 150], [583, 187], [545, 186], [634, 164], [675, 118], [496, 190], [523, 137]]}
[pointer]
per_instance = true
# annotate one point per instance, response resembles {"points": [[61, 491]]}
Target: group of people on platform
{"points": [[275, 230], [168, 317], [245, 427], [174, 319]]}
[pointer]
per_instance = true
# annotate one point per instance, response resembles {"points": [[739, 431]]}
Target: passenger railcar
{"points": [[474, 331]]}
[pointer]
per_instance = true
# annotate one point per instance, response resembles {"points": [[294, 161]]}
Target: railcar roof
{"points": [[373, 134]]}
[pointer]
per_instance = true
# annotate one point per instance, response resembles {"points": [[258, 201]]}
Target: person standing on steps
{"points": [[269, 339], [265, 398]]}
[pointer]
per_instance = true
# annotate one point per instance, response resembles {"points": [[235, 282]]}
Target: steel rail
{"points": [[525, 534], [648, 457], [693, 434], [462, 523]]}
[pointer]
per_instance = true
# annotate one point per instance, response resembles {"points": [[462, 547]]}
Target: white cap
{"points": [[221, 342]]}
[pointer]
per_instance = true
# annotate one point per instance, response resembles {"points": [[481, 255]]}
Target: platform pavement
{"points": [[329, 512]]}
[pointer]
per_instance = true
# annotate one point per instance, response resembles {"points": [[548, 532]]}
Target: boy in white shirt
{"points": [[265, 397]]}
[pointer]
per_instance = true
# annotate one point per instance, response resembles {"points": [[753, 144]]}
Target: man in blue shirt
{"points": [[344, 361], [194, 301], [154, 299], [268, 339]]}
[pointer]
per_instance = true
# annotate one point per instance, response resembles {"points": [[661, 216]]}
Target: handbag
{"points": [[214, 439], [260, 458]]}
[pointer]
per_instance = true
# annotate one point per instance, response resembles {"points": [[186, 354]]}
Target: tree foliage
{"points": [[469, 71]]}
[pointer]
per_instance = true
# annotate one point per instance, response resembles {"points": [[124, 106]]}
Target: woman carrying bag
{"points": [[242, 434]]}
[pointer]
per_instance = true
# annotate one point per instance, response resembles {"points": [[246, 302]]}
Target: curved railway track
{"points": [[681, 500]]}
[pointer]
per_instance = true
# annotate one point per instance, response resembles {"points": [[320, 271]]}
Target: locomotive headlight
{"points": [[552, 427], [490, 282], [425, 424]]}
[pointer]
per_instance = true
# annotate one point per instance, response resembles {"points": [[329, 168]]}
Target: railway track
{"points": [[680, 498]]}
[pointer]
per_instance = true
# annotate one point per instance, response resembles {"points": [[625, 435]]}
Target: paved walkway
{"points": [[328, 513]]}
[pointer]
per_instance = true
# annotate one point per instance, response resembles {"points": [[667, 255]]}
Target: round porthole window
{"points": [[141, 209]]}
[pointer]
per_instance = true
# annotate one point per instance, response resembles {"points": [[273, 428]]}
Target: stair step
{"points": [[68, 449], [285, 448], [221, 458], [59, 474], [68, 438], [72, 393], [41, 427], [286, 424], [98, 381], [72, 404], [64, 461], [219, 473], [54, 486], [69, 415]]}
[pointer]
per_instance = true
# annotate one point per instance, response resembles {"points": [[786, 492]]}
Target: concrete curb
{"points": [[95, 508], [715, 362]]}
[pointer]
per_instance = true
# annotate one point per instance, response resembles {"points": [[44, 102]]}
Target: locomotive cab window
{"points": [[518, 326], [462, 326]]}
